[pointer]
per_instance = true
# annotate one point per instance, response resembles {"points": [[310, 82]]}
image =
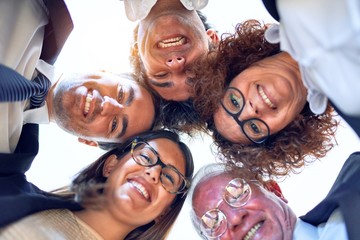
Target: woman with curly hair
{"points": [[252, 96]]}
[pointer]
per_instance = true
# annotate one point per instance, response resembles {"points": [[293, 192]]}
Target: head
{"points": [[261, 100], [232, 205], [285, 130], [101, 106], [120, 182], [167, 42]]}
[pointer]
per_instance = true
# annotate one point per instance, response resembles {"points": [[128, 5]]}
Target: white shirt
{"points": [[139, 9], [22, 26], [324, 38], [334, 228]]}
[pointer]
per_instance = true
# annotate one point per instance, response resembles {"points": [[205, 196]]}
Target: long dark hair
{"points": [[90, 183]]}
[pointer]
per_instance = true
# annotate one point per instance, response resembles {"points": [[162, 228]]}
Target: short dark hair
{"points": [[177, 115], [156, 124], [181, 117]]}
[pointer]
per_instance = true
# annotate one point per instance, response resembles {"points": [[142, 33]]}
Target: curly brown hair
{"points": [[307, 138]]}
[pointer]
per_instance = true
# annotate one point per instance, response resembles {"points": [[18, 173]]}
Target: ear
{"points": [[213, 36], [274, 187], [87, 142], [109, 165]]}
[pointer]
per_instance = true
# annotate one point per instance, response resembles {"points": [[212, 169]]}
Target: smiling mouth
{"points": [[266, 98], [171, 42], [141, 189], [251, 233], [89, 98]]}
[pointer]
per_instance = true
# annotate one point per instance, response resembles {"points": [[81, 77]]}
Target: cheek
{"points": [[165, 200], [124, 167], [220, 120]]}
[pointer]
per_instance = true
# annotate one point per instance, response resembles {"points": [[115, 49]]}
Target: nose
{"points": [[110, 106], [236, 218], [153, 173], [176, 63], [249, 111]]}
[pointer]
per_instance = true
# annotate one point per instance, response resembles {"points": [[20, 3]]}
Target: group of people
{"points": [[265, 93]]}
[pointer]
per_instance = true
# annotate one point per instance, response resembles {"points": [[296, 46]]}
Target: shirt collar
{"points": [[304, 230]]}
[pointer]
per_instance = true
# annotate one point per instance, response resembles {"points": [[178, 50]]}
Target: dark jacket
{"points": [[345, 195]]}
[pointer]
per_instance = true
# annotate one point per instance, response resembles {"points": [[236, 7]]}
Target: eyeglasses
{"points": [[213, 223], [171, 179], [255, 129]]}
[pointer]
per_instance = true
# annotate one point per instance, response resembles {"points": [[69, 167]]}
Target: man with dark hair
{"points": [[96, 106], [190, 38], [166, 43]]}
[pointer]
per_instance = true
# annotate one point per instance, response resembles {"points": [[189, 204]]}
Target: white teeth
{"points": [[172, 42], [89, 98], [140, 188], [251, 233], [265, 98]]}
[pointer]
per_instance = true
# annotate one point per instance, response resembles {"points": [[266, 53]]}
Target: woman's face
{"points": [[134, 192], [273, 92]]}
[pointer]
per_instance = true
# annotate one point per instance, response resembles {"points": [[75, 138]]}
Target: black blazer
{"points": [[345, 195], [18, 197], [56, 31], [270, 6]]}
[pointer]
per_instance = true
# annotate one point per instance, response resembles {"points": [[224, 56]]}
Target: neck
{"points": [[104, 224]]}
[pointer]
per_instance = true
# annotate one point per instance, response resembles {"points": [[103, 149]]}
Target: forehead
{"points": [[176, 92], [100, 77], [208, 192], [169, 153]]}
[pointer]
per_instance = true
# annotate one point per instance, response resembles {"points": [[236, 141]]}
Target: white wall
{"points": [[100, 40]]}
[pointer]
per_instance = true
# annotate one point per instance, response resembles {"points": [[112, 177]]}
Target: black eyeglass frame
{"points": [[235, 116], [222, 200], [186, 184]]}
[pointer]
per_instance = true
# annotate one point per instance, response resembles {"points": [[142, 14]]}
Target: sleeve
{"points": [[138, 9]]}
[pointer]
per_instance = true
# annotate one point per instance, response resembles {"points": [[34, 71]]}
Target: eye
{"points": [[121, 94], [160, 75], [168, 178], [255, 128], [114, 124], [144, 159], [235, 100]]}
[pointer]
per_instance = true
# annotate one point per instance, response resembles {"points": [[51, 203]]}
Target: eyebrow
{"points": [[130, 99], [124, 126], [163, 84]]}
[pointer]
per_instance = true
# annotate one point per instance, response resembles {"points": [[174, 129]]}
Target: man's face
{"points": [[170, 38], [101, 106], [264, 216]]}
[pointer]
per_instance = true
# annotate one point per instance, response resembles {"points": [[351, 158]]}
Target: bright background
{"points": [[100, 41]]}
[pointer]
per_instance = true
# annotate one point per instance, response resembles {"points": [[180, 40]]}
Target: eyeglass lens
{"points": [[254, 128], [145, 155], [236, 194]]}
